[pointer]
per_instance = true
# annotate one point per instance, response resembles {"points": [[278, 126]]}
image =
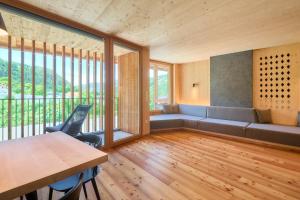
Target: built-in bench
{"points": [[233, 121]]}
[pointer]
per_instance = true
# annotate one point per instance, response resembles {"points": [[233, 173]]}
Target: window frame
{"points": [[163, 67]]}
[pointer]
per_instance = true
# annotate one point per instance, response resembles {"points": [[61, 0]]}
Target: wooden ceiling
{"points": [[20, 26], [180, 31]]}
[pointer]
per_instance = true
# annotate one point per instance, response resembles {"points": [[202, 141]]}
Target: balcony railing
{"points": [[30, 116]]}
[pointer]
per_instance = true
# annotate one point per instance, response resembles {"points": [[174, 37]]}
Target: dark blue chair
{"points": [[74, 193], [72, 126], [88, 175]]}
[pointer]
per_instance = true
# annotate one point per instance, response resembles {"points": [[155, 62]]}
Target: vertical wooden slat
{"points": [[72, 78], [54, 84], [9, 88], [101, 92], [95, 92], [115, 111], [88, 86], [80, 75], [119, 111], [22, 87], [45, 85], [63, 81], [33, 87]]}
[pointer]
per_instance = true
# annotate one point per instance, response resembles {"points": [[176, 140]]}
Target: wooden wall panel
{"points": [[276, 75], [145, 62], [129, 93], [185, 76]]}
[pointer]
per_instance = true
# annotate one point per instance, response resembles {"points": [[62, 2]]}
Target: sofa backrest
{"points": [[195, 110], [232, 113]]}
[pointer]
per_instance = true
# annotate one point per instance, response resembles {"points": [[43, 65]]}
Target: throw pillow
{"points": [[264, 116], [166, 108], [170, 109]]}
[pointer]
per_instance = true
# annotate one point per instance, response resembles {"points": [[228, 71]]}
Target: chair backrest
{"points": [[73, 124], [74, 193]]}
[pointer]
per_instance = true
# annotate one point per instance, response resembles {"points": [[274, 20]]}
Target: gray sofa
{"points": [[234, 121], [187, 114]]}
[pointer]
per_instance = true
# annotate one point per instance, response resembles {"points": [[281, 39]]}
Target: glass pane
{"points": [[162, 86], [53, 64]]}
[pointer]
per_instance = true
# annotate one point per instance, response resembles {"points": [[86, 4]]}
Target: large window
{"points": [[159, 85], [45, 72]]}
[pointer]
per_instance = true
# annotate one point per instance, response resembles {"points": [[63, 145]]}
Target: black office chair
{"points": [[88, 174], [72, 126], [74, 193]]}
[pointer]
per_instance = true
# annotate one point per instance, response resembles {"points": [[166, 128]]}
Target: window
{"points": [[159, 83], [43, 79]]}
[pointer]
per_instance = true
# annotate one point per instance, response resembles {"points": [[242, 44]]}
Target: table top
{"points": [[31, 163]]}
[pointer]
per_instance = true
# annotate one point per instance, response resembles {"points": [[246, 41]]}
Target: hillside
{"points": [[16, 78]]}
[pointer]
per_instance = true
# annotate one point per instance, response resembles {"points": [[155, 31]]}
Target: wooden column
{"points": [[80, 75], [54, 84], [33, 87], [88, 86], [45, 85], [22, 88], [72, 79], [95, 92], [101, 92], [108, 91], [177, 83], [145, 110], [9, 87], [63, 82]]}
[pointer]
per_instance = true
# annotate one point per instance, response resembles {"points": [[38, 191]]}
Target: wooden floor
{"points": [[185, 165]]}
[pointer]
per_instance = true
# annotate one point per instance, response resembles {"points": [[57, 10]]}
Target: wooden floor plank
{"points": [[186, 165]]}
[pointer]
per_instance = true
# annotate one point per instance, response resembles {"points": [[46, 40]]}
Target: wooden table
{"points": [[31, 163]]}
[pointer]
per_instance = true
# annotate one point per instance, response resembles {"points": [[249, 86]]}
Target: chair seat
{"points": [[71, 181]]}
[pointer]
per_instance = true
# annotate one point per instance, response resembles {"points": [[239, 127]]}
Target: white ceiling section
{"points": [[179, 31]]}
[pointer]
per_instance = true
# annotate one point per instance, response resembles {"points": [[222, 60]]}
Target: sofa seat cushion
{"points": [[288, 135], [230, 127], [173, 116]]}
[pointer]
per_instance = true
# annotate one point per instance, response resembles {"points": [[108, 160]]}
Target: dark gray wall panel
{"points": [[231, 79]]}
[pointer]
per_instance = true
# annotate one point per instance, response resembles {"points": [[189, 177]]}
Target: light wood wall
{"points": [[285, 106], [184, 77], [129, 110], [145, 62]]}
